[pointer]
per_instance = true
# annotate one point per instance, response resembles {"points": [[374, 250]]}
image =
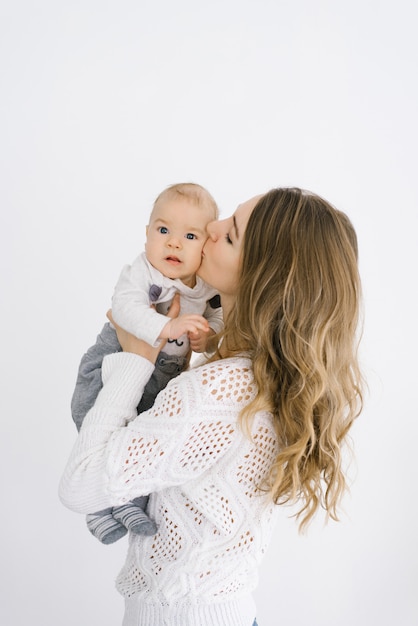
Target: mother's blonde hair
{"points": [[297, 314]]}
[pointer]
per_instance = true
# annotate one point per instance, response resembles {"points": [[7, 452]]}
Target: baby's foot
{"points": [[134, 518], [105, 527]]}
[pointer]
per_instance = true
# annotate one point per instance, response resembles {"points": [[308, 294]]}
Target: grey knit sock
{"points": [[133, 517], [105, 527]]}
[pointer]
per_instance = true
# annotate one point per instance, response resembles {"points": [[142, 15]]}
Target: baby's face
{"points": [[175, 238]]}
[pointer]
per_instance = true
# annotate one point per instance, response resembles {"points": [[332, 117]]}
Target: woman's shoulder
{"points": [[235, 365], [227, 380], [231, 365]]}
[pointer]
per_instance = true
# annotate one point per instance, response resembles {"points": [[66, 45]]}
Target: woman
{"points": [[262, 423]]}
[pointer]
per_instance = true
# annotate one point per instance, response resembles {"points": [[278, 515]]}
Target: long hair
{"points": [[297, 314]]}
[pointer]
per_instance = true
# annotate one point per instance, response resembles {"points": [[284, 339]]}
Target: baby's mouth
{"points": [[173, 260]]}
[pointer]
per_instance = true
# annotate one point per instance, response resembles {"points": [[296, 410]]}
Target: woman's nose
{"points": [[212, 230]]}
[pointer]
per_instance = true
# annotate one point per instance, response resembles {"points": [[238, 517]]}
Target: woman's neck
{"points": [[225, 349], [226, 304]]}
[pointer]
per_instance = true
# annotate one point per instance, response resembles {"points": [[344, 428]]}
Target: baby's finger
{"points": [[198, 326]]}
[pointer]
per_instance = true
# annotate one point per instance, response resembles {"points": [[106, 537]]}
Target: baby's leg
{"points": [[89, 376], [89, 382]]}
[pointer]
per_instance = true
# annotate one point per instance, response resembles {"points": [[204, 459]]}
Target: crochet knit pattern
{"points": [[202, 471]]}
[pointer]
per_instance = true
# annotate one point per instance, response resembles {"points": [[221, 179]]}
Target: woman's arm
{"points": [[84, 484], [119, 455]]}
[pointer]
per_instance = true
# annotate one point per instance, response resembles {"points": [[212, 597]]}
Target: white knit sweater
{"points": [[189, 452]]}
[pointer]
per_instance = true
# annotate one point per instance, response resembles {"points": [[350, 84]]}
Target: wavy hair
{"points": [[297, 313]]}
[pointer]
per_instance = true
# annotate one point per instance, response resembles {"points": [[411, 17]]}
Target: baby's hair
{"points": [[192, 192]]}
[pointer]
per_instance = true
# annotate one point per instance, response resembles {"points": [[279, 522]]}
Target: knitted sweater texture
{"points": [[190, 453]]}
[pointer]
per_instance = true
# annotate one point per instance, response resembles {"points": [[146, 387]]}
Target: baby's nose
{"points": [[174, 242]]}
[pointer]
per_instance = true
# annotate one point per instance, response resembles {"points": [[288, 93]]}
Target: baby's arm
{"points": [[177, 327], [131, 304]]}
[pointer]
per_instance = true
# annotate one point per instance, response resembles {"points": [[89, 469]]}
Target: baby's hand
{"points": [[130, 343], [198, 341], [177, 327]]}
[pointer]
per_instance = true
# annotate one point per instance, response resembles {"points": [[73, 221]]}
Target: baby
{"points": [[176, 234]]}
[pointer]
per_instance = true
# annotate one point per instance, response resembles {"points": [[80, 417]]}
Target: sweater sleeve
{"points": [[84, 485], [119, 456]]}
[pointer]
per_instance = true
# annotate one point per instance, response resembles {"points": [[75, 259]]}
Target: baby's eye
{"points": [[163, 230], [228, 238], [191, 236]]}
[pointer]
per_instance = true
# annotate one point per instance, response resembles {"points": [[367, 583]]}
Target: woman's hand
{"points": [[130, 343]]}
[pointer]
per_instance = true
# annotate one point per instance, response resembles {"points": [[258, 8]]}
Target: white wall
{"points": [[102, 105]]}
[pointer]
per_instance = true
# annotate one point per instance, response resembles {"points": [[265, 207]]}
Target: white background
{"points": [[102, 105]]}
